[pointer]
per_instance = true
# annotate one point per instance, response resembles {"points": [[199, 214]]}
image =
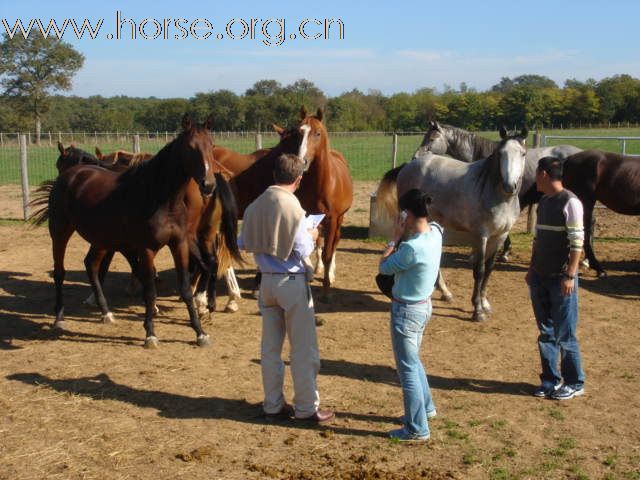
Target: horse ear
{"points": [[72, 145], [99, 153], [319, 114], [503, 132], [278, 129], [432, 125], [524, 133], [303, 113], [61, 148], [186, 122], [208, 123]]}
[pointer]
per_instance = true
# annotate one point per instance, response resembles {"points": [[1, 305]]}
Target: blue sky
{"points": [[390, 46]]}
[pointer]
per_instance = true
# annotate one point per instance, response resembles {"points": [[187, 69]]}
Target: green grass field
{"points": [[368, 155]]}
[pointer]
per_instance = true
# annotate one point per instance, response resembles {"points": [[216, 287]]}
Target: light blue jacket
{"points": [[415, 265]]}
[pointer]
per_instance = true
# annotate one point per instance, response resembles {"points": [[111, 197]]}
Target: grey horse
{"points": [[480, 198], [469, 147]]}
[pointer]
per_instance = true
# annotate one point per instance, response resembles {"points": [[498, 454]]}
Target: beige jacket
{"points": [[271, 221]]}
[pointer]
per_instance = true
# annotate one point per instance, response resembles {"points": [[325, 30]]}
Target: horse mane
{"points": [[489, 173], [480, 147]]}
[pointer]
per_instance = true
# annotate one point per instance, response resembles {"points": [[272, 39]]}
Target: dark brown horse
{"points": [[609, 178], [138, 210]]}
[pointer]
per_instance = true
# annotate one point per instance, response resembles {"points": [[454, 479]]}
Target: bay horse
{"points": [[138, 210], [480, 198], [467, 146], [216, 232], [606, 177]]}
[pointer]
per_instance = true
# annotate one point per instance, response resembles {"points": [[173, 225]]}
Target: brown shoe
{"points": [[285, 412], [321, 416]]}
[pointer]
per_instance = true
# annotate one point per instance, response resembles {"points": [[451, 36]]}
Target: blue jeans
{"points": [[407, 325], [557, 319]]}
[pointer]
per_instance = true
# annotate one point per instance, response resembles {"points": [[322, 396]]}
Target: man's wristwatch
{"points": [[566, 275]]}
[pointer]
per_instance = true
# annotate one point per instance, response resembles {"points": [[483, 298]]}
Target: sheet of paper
{"points": [[314, 220]]}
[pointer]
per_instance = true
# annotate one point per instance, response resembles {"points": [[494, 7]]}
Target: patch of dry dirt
{"points": [[92, 403]]}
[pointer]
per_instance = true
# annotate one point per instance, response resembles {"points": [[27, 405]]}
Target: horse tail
{"points": [[40, 202], [387, 193], [227, 249]]}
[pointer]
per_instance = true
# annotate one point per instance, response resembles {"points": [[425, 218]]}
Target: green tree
{"points": [[32, 68]]}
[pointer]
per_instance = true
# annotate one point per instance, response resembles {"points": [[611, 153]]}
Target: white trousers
{"points": [[286, 306]]}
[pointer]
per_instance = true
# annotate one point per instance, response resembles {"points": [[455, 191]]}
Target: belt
{"points": [[426, 300], [282, 273]]}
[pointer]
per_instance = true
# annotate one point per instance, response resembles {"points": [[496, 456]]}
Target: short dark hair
{"points": [[416, 202], [551, 165], [288, 167]]}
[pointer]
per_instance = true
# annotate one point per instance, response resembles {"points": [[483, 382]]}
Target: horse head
{"points": [[72, 156], [512, 151], [314, 141], [435, 140], [197, 154]]}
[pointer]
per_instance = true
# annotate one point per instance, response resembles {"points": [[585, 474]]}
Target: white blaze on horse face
{"points": [[303, 145], [512, 165]]}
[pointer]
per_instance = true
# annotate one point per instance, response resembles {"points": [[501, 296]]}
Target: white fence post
{"points": [[136, 143], [258, 141], [24, 173]]}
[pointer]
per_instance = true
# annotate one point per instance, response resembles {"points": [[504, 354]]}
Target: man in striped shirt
{"points": [[553, 283]]}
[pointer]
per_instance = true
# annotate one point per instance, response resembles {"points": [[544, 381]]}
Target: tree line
{"points": [[32, 70]]}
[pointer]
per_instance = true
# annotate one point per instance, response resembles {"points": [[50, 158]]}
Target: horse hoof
{"points": [[503, 258], [232, 307], [91, 301], [108, 319], [203, 340], [447, 298], [479, 317], [59, 325], [151, 342]]}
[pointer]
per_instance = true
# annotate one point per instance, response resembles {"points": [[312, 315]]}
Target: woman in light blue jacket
{"points": [[415, 266]]}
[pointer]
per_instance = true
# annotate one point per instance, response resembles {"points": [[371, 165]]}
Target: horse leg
{"points": [[441, 285], [319, 269], [489, 264], [149, 291], [234, 291], [134, 262], [180, 253], [506, 250], [331, 234], [478, 275], [60, 235], [104, 268], [93, 264], [201, 280], [589, 222], [256, 285], [211, 285]]}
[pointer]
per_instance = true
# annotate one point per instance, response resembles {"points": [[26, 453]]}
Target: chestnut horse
{"points": [[610, 178], [139, 210], [122, 158]]}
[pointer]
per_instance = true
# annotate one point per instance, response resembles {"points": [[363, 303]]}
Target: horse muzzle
{"points": [[206, 188]]}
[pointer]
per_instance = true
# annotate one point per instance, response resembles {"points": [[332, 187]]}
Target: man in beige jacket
{"points": [[275, 231]]}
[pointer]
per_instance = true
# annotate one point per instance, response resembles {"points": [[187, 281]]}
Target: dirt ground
{"points": [[91, 403]]}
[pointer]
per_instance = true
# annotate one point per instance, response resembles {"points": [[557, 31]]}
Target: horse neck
{"points": [[461, 145], [158, 180], [483, 147]]}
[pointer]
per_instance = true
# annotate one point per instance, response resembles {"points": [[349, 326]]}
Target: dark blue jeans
{"points": [[557, 319]]}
